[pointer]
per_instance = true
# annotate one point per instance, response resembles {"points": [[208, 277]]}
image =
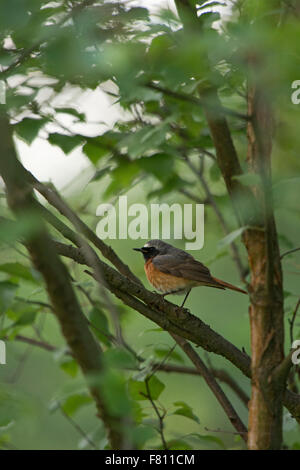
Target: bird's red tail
{"points": [[229, 286]]}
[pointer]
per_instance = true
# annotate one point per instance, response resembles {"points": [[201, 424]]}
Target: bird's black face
{"points": [[148, 251]]}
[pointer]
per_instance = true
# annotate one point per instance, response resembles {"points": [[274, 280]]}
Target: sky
{"points": [[48, 162]]}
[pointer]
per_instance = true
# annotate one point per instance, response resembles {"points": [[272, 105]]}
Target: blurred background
{"points": [[38, 379]]}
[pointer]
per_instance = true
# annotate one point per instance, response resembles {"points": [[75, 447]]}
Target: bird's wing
{"points": [[186, 267]]}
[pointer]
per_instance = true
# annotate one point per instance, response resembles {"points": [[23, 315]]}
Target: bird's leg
{"points": [[186, 296]]}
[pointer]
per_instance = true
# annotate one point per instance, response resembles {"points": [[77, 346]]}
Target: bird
{"points": [[171, 270]]}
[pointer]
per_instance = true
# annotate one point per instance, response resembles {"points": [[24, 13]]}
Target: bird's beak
{"points": [[138, 249]]}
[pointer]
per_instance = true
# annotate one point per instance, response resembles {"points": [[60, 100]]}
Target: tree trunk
{"points": [[266, 291]]}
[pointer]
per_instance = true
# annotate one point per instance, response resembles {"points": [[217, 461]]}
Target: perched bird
{"points": [[173, 271]]}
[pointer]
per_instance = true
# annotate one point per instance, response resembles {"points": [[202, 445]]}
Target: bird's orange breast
{"points": [[165, 282]]}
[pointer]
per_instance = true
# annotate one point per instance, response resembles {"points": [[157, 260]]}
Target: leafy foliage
{"points": [[157, 74]]}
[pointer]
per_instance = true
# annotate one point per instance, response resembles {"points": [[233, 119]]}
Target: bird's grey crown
{"points": [[165, 248]]}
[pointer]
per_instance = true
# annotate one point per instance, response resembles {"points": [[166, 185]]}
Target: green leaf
{"points": [[161, 353], [135, 14], [7, 293], [160, 46], [25, 226], [157, 330], [209, 5], [146, 139], [185, 410], [141, 434], [231, 237], [208, 438], [119, 358], [114, 391], [66, 142], [28, 128], [73, 112], [10, 407], [122, 177], [69, 365], [159, 164], [99, 325], [144, 371], [173, 183], [19, 270], [178, 444], [101, 173], [26, 318], [138, 390], [208, 18], [94, 151], [74, 403]]}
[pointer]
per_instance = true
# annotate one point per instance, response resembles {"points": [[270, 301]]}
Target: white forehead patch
{"points": [[146, 245]]}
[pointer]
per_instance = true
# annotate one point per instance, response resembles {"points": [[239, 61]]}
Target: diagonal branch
{"points": [[197, 101], [56, 201], [164, 313], [44, 257], [219, 374], [174, 319], [214, 386]]}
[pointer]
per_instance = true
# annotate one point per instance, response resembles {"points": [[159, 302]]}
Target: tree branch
{"points": [[213, 385], [44, 257], [197, 101], [289, 252], [174, 319], [56, 201], [219, 374]]}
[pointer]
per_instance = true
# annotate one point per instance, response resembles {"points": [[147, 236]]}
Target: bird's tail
{"points": [[226, 285]]}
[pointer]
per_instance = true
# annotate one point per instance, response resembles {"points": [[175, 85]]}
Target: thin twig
{"points": [[211, 199], [78, 428], [56, 201], [219, 374], [289, 252], [198, 101], [222, 431], [213, 385], [34, 302], [158, 414]]}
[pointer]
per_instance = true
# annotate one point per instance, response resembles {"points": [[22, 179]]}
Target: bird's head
{"points": [[153, 248]]}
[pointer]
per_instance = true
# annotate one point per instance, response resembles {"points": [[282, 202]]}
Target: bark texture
{"points": [[266, 291]]}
